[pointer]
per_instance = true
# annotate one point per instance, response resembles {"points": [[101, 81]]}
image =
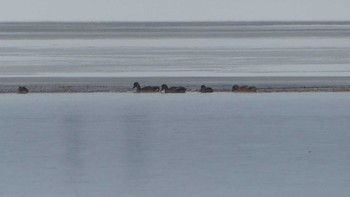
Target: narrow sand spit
{"points": [[92, 89], [219, 84]]}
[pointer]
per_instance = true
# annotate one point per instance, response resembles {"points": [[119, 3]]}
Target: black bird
{"points": [[205, 89], [146, 88], [22, 90], [178, 89], [235, 88]]}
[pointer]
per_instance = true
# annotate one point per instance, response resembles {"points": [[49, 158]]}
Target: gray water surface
{"points": [[163, 49], [221, 144]]}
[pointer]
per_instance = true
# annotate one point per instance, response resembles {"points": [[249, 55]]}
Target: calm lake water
{"points": [[221, 144], [175, 49]]}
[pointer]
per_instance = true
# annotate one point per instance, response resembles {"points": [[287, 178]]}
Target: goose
{"points": [[146, 88], [244, 88], [249, 89], [178, 89], [22, 90], [205, 89], [236, 88]]}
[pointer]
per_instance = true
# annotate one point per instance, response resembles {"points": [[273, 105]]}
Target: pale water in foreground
{"points": [[221, 144]]}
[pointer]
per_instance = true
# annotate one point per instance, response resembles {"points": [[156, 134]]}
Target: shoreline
{"points": [[113, 89], [219, 84]]}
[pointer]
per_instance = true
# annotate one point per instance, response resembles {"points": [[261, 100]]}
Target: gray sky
{"points": [[173, 10]]}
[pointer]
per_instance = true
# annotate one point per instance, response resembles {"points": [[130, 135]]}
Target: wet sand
{"points": [[219, 84]]}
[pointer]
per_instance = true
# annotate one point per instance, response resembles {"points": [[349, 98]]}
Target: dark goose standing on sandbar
{"points": [[146, 88], [205, 89], [178, 89]]}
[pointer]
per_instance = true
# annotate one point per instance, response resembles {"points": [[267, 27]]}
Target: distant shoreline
{"points": [[97, 89], [219, 84]]}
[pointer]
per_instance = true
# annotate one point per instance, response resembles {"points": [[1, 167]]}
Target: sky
{"points": [[174, 10]]}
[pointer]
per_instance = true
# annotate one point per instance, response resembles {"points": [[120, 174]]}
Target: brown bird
{"points": [[146, 88], [205, 89], [236, 88], [178, 89]]}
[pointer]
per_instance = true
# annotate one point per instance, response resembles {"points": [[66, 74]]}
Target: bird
{"points": [[178, 89], [146, 88], [205, 89], [252, 89], [236, 88], [22, 90]]}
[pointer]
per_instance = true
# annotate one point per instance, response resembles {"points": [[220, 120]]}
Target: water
{"points": [[174, 145], [221, 144], [175, 49]]}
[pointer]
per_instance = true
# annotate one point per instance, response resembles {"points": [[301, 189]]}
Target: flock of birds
{"points": [[164, 88], [179, 89]]}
